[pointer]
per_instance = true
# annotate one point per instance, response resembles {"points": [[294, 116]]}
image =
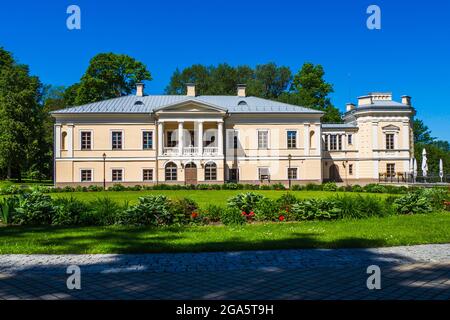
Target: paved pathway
{"points": [[415, 272]]}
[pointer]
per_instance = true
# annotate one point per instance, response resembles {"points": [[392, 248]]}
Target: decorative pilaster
{"points": [[306, 139], [160, 138], [220, 138], [57, 141], [180, 138]]}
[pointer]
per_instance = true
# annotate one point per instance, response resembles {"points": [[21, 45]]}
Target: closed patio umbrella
{"points": [[441, 169], [415, 169], [424, 163]]}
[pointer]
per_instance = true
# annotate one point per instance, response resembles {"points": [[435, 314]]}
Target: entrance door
{"points": [[233, 175], [190, 172], [334, 174]]}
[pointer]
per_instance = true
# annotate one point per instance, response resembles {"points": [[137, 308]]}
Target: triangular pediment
{"points": [[191, 106], [391, 127]]}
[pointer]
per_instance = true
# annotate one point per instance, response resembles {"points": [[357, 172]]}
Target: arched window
{"points": [[312, 141], [210, 171], [171, 172], [63, 140]]}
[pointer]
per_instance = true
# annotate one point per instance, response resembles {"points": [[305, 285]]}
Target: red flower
{"points": [[243, 213], [251, 213], [281, 218], [194, 215]]}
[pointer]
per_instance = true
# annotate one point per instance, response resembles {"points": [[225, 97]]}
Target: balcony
{"points": [[190, 151]]}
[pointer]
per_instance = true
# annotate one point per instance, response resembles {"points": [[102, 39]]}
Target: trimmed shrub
{"points": [[313, 187], [34, 208], [278, 186], [232, 216], [245, 202], [297, 187], [375, 188], [329, 186], [94, 188], [117, 187], [267, 210], [357, 188]]}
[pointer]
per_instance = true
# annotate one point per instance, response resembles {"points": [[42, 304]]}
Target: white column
{"points": [[220, 138], [375, 135], [200, 138], [344, 142], [180, 138], [306, 133], [319, 140], [329, 142], [70, 140], [396, 146], [57, 141], [405, 136], [160, 138]]}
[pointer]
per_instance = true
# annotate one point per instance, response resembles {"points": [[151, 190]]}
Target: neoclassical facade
{"points": [[150, 139]]}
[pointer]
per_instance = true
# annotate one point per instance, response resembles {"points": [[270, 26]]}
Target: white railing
{"points": [[210, 151], [170, 151], [189, 151]]}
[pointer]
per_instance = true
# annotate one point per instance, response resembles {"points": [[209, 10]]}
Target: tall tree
{"points": [[109, 76], [309, 89], [20, 114], [422, 133]]}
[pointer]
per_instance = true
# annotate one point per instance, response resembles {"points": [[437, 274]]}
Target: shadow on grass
{"points": [[291, 274]]}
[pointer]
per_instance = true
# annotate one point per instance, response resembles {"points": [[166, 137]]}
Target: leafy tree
{"points": [[109, 76], [266, 80], [20, 115], [422, 133], [310, 90]]}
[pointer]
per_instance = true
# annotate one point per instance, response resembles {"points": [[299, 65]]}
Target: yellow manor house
{"points": [[149, 139]]}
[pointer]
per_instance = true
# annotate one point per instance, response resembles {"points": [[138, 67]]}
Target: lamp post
{"points": [[289, 170], [104, 171]]}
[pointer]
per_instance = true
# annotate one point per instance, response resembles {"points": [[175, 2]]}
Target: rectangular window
{"points": [[117, 175], [339, 142], [350, 169], [263, 174], [350, 139], [86, 140], [333, 141], [116, 140], [390, 170], [292, 139], [147, 140], [147, 175], [86, 175], [292, 173], [326, 143], [263, 139], [390, 141]]}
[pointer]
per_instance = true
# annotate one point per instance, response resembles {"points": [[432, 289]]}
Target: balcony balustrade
{"points": [[190, 151]]}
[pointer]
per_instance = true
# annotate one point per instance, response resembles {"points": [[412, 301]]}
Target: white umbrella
{"points": [[415, 169], [424, 163], [441, 169]]}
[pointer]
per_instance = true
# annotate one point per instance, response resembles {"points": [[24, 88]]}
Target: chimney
{"points": [[190, 89], [349, 107], [139, 89], [365, 100], [241, 90], [406, 100]]}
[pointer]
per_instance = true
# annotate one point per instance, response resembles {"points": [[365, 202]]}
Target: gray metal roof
{"points": [[148, 104], [383, 103]]}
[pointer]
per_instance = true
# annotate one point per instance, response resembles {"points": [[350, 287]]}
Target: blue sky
{"points": [[409, 55]]}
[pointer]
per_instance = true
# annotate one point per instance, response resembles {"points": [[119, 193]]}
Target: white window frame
{"points": [[142, 139], [386, 140], [111, 139], [81, 138], [204, 170], [123, 174], [153, 175], [268, 139], [296, 138], [258, 172], [350, 139], [287, 173], [86, 169]]}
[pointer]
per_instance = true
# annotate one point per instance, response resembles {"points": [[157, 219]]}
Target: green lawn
{"points": [[202, 197], [374, 232]]}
